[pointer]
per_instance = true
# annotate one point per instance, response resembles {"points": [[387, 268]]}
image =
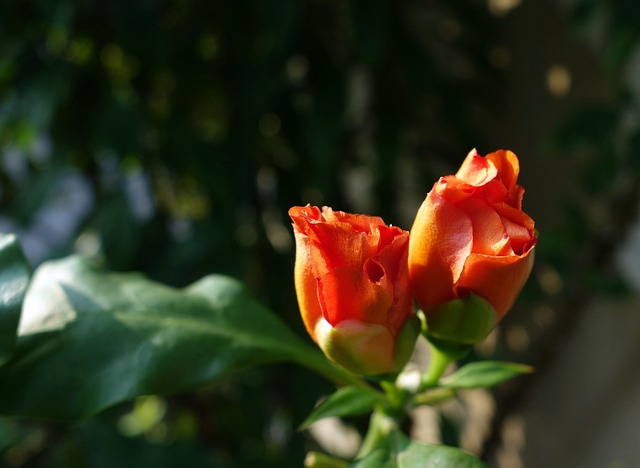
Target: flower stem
{"points": [[380, 425], [437, 365]]}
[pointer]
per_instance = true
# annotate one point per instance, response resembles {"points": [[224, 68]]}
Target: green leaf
{"points": [[347, 401], [398, 451], [14, 278], [436, 456], [484, 374], [90, 339]]}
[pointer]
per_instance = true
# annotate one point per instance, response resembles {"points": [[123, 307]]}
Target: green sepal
{"points": [[406, 342], [464, 321], [368, 349], [484, 374], [347, 401]]}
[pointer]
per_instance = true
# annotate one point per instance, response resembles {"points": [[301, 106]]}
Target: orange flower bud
{"points": [[471, 236], [351, 278]]}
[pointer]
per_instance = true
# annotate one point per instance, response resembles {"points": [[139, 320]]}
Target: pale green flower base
{"points": [[366, 348]]}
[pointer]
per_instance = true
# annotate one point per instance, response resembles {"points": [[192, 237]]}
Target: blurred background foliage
{"points": [[172, 136]]}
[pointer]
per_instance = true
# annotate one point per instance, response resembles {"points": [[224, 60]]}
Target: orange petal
{"points": [[489, 236], [302, 215], [498, 280], [519, 226], [476, 170], [457, 191], [393, 256], [347, 292], [360, 223], [341, 244], [393, 259], [440, 241], [508, 166], [305, 284]]}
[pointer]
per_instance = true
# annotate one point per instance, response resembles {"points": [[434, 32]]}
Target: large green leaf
{"points": [[398, 451], [89, 339], [14, 278]]}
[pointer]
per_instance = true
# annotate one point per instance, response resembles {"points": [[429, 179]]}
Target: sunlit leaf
{"points": [[484, 374], [14, 278]]}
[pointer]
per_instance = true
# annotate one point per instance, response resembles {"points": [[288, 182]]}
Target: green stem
{"points": [[433, 396], [379, 427], [438, 363], [395, 402]]}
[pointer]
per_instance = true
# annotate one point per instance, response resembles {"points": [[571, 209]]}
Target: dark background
{"points": [[171, 137]]}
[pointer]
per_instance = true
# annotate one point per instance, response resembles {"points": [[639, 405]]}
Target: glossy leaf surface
{"points": [[89, 339]]}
